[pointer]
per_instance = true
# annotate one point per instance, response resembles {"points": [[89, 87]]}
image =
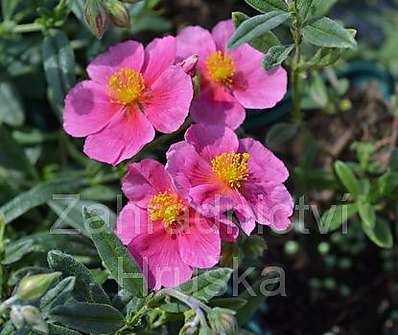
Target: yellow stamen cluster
{"points": [[126, 86], [221, 68], [166, 207], [232, 168]]}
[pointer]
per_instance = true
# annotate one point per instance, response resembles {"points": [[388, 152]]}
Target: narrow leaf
{"points": [[116, 257], [367, 214], [327, 33], [263, 42], [347, 177], [11, 110], [255, 27], [208, 284], [89, 318], [268, 5], [57, 295], [86, 288], [380, 234], [59, 330], [333, 218], [280, 134], [276, 56], [37, 196], [59, 67]]}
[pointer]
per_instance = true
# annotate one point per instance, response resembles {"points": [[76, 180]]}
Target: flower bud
{"points": [[33, 287], [118, 13], [16, 317], [33, 317], [188, 65], [223, 321], [96, 17]]}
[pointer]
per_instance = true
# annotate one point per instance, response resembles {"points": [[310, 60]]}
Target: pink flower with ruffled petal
{"points": [[131, 92], [230, 80], [166, 236], [223, 173]]}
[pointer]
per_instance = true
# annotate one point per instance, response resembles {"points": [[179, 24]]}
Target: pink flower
{"points": [[131, 92], [230, 80], [223, 173], [166, 236]]}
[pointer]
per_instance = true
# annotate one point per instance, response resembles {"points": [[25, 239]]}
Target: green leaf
{"points": [[116, 257], [347, 177], [322, 7], [327, 33], [16, 250], [57, 295], [86, 288], [38, 195], [12, 155], [325, 57], [255, 27], [59, 330], [208, 284], [276, 56], [268, 5], [334, 217], [89, 318], [305, 8], [263, 42], [70, 212], [381, 233], [280, 134], [8, 8], [318, 91], [8, 328], [367, 214], [11, 110], [59, 67], [231, 303]]}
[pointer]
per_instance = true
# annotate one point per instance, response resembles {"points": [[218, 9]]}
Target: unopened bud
{"points": [[96, 17], [188, 65], [223, 321], [16, 317], [33, 287], [118, 13], [33, 317]]}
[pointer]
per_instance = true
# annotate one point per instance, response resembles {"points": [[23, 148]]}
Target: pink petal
{"points": [[264, 166], [144, 180], [229, 232], [195, 41], [215, 106], [170, 98], [222, 32], [159, 55], [271, 203], [200, 244], [131, 222], [128, 55], [87, 109], [211, 141], [159, 258], [187, 168], [253, 86], [124, 137]]}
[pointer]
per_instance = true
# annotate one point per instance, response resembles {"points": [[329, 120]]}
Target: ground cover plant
{"points": [[198, 167]]}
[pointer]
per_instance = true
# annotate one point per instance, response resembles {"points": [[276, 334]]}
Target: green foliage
{"points": [[89, 318], [116, 257]]}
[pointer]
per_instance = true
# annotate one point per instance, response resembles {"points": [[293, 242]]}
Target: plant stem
{"points": [[191, 302], [27, 28], [295, 77]]}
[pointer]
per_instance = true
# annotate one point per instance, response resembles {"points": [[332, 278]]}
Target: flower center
{"points": [[221, 68], [126, 86], [168, 208], [231, 168]]}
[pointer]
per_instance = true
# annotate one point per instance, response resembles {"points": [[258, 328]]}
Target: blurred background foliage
{"points": [[337, 283]]}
